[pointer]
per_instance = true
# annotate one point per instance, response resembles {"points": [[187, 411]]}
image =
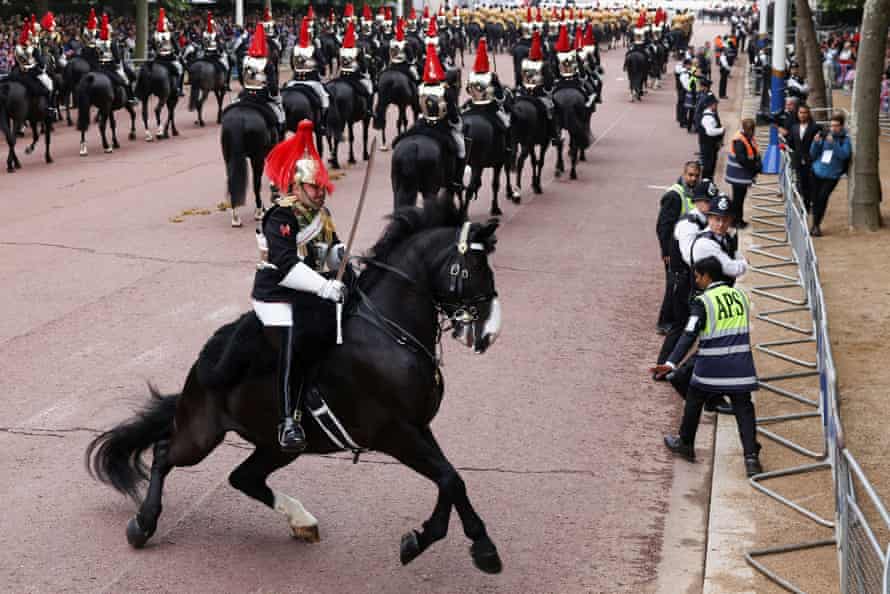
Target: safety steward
{"points": [[719, 320], [743, 163], [306, 62], [537, 82], [690, 98], [353, 66], [110, 62], [214, 50], [261, 83], [297, 242]]}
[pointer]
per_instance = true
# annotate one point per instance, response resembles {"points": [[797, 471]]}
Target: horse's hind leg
{"points": [[220, 94], [149, 137], [114, 142], [351, 159], [573, 155], [495, 188], [250, 478], [103, 125], [365, 123], [417, 449], [142, 526], [46, 138], [162, 132], [132, 113], [256, 164], [171, 114]]}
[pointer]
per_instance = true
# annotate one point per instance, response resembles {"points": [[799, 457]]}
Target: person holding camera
{"points": [[743, 163], [831, 154]]}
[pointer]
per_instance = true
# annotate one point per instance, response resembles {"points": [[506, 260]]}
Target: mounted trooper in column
{"points": [[568, 60], [297, 242], [165, 50], [486, 92], [261, 83], [306, 61], [28, 69], [401, 55], [537, 82], [353, 66], [214, 50], [110, 62]]}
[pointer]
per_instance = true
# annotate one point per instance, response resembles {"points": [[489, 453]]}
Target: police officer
{"points": [[725, 67], [710, 137], [681, 80], [676, 203], [720, 320], [704, 96]]}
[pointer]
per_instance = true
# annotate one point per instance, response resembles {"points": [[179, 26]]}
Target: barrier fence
{"points": [[861, 523]]}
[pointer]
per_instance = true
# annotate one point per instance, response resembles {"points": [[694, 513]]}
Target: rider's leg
{"points": [[290, 433], [463, 170], [552, 124]]}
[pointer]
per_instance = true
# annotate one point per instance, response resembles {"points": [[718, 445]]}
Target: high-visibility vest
{"points": [[735, 173], [724, 362], [686, 204]]}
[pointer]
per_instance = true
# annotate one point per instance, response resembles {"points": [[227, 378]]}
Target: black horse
{"points": [[17, 107], [487, 150], [97, 89], [574, 116], [637, 67], [155, 79], [350, 108], [205, 77], [245, 135], [330, 49], [529, 130], [395, 88], [385, 393], [298, 107], [420, 165], [75, 69]]}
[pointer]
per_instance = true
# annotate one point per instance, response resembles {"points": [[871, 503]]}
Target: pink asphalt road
{"points": [[556, 430]]}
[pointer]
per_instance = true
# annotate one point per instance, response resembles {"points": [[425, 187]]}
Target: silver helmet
{"points": [[532, 74], [480, 87], [254, 72], [433, 104]]}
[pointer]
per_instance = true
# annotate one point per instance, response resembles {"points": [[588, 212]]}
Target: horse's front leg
{"points": [[161, 132], [171, 114], [417, 449], [495, 188], [149, 137], [573, 154], [114, 142], [351, 159], [560, 163], [365, 123], [103, 124]]}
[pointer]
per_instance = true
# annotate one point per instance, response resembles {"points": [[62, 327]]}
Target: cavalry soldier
{"points": [[90, 31], [214, 49], [353, 67], [537, 82], [720, 320], [348, 14], [521, 48], [260, 82], [411, 25], [386, 29], [297, 242], [568, 60], [110, 62], [367, 22], [28, 68], [269, 28], [487, 94], [401, 55], [306, 61], [165, 51]]}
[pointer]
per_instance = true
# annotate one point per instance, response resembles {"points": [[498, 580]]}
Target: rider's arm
{"points": [[280, 229]]}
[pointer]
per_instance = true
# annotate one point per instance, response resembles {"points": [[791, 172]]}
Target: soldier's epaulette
{"points": [[288, 202]]}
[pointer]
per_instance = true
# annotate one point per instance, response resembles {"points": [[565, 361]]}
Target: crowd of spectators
{"points": [[839, 52]]}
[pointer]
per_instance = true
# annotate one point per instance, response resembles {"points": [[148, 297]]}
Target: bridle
{"points": [[452, 308]]}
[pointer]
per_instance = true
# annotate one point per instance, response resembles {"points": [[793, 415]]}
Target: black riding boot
{"points": [[554, 129], [290, 433]]}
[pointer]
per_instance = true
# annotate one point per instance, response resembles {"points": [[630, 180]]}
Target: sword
{"points": [[358, 214]]}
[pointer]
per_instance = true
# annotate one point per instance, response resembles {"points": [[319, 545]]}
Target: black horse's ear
{"points": [[485, 234]]}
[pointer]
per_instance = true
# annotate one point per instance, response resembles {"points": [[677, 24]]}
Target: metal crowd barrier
{"points": [[861, 523]]}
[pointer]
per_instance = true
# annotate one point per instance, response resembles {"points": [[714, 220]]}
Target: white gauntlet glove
{"points": [[332, 290]]}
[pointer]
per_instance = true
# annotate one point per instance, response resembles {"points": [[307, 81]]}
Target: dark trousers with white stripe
{"points": [[742, 406]]}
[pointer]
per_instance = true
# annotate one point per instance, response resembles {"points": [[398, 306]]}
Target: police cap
{"points": [[720, 206], [705, 190]]}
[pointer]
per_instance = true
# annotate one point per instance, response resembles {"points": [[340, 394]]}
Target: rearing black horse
{"points": [[384, 392]]}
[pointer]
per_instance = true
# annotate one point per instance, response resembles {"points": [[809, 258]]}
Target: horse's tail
{"points": [[579, 126], [403, 174], [335, 123], [82, 100], [115, 457], [194, 93], [4, 114], [236, 164]]}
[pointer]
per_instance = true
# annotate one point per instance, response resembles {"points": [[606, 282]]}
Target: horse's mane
{"points": [[405, 223]]}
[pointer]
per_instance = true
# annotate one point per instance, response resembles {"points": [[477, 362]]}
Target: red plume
{"points": [[33, 24], [349, 36], [162, 20], [267, 15], [387, 14], [366, 13], [528, 14], [26, 31], [332, 17], [412, 15], [481, 66], [426, 12], [282, 159], [310, 14], [210, 22], [349, 11], [432, 30], [48, 21], [91, 21], [539, 17], [588, 36], [432, 68], [562, 43], [304, 33], [103, 32], [579, 39], [400, 30], [534, 53], [381, 12], [258, 43], [641, 21]]}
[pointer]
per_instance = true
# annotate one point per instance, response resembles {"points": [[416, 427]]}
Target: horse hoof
{"points": [[410, 548], [351, 161], [83, 151], [176, 132], [537, 189], [573, 175], [496, 212], [383, 148], [108, 150], [115, 145], [49, 159], [132, 136], [136, 536], [236, 221], [149, 138], [29, 150], [258, 214], [515, 197], [558, 173], [10, 169], [306, 533], [485, 557]]}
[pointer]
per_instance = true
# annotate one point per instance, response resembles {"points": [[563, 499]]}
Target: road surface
{"points": [[557, 429]]}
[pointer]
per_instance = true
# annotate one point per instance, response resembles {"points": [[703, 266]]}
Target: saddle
{"points": [[301, 87], [261, 105], [215, 62], [489, 112], [536, 101], [422, 128], [357, 87]]}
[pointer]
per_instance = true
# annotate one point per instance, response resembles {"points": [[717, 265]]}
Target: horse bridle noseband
{"points": [[463, 310]]}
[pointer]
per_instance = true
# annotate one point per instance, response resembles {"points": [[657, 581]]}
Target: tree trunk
{"points": [[809, 53], [865, 181], [141, 50]]}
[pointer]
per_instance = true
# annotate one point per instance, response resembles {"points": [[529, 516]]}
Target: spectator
{"points": [[743, 163], [800, 139], [846, 62], [831, 156]]}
